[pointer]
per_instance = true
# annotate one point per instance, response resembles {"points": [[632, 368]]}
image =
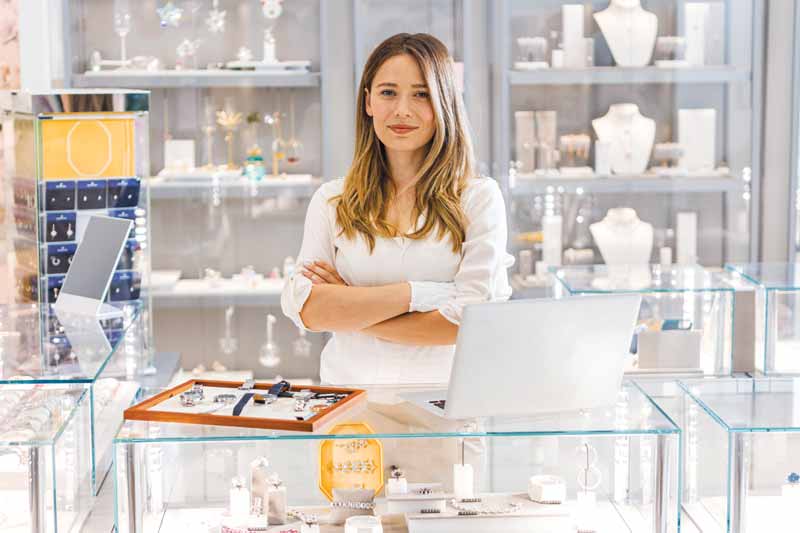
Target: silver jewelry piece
{"points": [[225, 398]]}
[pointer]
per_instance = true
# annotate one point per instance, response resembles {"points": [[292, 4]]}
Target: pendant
{"points": [[170, 15], [216, 18]]}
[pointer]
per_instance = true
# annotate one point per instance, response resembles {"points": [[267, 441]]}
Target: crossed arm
{"points": [[378, 311]]}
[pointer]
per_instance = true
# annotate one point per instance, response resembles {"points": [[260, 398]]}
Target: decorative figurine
{"points": [[228, 344], [269, 351], [230, 121], [215, 21], [170, 15], [272, 9]]}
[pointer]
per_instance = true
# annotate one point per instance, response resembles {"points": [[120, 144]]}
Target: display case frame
{"points": [[777, 297], [646, 494], [685, 310], [102, 357], [49, 487], [738, 435]]}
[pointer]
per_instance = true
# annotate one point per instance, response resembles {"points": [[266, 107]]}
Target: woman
{"points": [[393, 252]]}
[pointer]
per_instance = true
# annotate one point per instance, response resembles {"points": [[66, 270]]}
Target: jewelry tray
{"points": [[280, 415]]}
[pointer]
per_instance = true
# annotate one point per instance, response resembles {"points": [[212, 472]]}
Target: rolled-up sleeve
{"points": [[482, 275], [318, 245]]}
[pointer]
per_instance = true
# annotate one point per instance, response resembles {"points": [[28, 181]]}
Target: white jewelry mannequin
{"points": [[626, 243], [631, 136], [630, 32]]}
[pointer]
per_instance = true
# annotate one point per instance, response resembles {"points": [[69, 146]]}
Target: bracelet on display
{"points": [[484, 508], [307, 519], [359, 506]]}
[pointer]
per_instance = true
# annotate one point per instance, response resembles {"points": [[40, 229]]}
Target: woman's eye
{"points": [[387, 92], [421, 94]]}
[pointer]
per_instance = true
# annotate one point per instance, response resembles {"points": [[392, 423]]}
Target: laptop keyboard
{"points": [[437, 403]]}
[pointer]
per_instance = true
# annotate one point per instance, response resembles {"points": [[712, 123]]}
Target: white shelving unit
{"points": [[165, 79], [731, 84], [188, 187], [188, 293], [526, 184], [628, 75]]}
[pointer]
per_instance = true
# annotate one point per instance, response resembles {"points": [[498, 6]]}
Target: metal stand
{"points": [[134, 524], [662, 495], [739, 473], [35, 488]]}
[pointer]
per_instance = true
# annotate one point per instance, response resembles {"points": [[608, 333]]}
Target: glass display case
{"points": [[101, 356], [649, 105], [741, 440], [45, 458], [71, 155], [607, 469], [685, 323], [777, 314]]}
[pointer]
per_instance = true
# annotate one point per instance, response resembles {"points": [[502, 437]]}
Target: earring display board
{"points": [[224, 403]]}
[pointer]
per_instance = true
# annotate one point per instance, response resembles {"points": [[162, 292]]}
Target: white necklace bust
{"points": [[630, 32], [626, 243], [631, 136]]}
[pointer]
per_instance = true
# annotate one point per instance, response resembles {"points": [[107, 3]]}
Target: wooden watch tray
{"points": [[148, 410]]}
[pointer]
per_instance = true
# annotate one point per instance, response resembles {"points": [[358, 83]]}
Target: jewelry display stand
{"points": [[626, 244], [631, 136], [630, 32]]}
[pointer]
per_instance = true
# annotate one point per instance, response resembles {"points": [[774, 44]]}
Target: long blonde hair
{"points": [[362, 206]]}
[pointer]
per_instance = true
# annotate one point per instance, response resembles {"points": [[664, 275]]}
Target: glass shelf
{"points": [[79, 350], [685, 323], [602, 279], [641, 419], [773, 276], [750, 405]]}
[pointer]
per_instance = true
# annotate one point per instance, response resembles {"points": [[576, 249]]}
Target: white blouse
{"points": [[479, 273]]}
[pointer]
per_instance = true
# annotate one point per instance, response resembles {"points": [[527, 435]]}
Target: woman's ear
{"points": [[367, 105]]}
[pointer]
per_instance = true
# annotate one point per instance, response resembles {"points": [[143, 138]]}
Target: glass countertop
{"points": [[777, 276], [36, 415], [602, 279], [749, 404], [38, 345], [390, 416]]}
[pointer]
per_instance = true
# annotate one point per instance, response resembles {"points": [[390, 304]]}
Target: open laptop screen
{"points": [[96, 257]]}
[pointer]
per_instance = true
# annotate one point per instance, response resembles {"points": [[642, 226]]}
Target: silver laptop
{"points": [[537, 356], [93, 264]]}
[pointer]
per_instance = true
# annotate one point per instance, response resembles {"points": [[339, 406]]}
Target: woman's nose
{"points": [[403, 109]]}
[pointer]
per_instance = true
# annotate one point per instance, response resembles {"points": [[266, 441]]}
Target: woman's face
{"points": [[400, 105]]}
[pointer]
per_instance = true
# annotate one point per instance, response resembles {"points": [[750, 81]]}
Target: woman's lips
{"points": [[402, 129]]}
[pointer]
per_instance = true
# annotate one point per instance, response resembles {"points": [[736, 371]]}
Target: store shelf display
{"points": [[656, 102]]}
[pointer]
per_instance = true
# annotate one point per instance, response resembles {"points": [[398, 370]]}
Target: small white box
{"points": [[179, 155]]}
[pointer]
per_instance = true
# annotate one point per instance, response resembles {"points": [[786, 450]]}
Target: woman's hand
{"points": [[320, 272]]}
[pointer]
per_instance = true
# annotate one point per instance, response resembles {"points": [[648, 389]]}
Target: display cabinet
{"points": [[653, 106], [241, 141], [741, 438], [685, 322], [71, 155], [777, 323], [101, 356], [608, 469], [45, 458]]}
